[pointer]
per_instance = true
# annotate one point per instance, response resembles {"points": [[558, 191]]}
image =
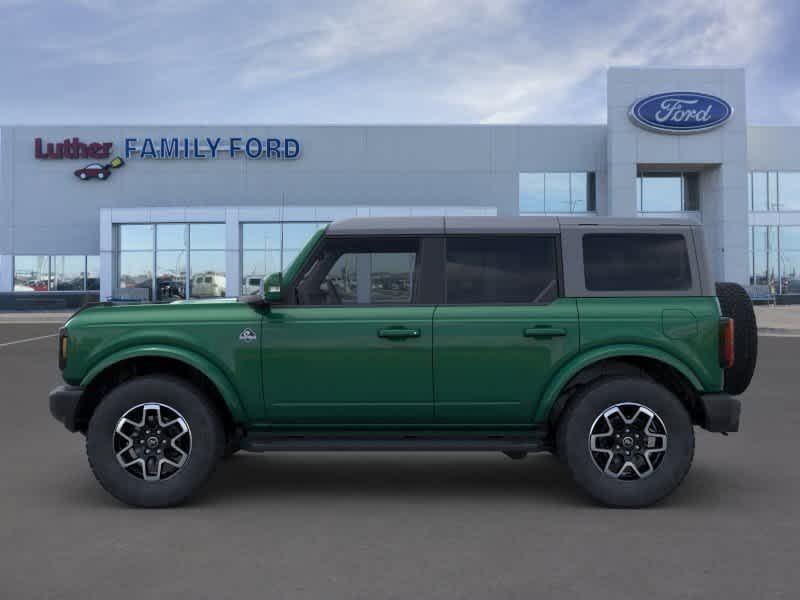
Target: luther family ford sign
{"points": [[680, 112], [165, 148]]}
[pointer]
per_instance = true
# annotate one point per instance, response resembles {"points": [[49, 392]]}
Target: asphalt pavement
{"points": [[404, 525]]}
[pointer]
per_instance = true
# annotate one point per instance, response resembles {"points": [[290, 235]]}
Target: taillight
{"points": [[63, 343], [726, 349]]}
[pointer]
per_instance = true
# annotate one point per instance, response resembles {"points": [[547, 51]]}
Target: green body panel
{"points": [[487, 370], [328, 364], [202, 334], [399, 367]]}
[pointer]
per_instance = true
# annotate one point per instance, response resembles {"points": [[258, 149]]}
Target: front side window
{"points": [[501, 270], [618, 262], [361, 272]]}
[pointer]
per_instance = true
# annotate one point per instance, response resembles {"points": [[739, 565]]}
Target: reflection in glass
{"points": [[170, 275], [660, 193], [207, 236], [31, 273], [135, 237], [256, 264], [385, 278], [531, 193], [136, 270], [759, 191], [68, 272], [170, 237], [93, 273], [557, 194], [789, 190], [207, 277]]}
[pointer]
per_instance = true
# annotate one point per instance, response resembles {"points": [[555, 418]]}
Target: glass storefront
{"points": [[775, 258], [556, 193], [171, 251], [74, 273]]}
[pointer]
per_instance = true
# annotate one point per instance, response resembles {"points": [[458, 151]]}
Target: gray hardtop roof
{"points": [[521, 224]]}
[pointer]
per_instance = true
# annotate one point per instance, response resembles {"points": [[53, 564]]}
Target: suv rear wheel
{"points": [[627, 441], [154, 440]]}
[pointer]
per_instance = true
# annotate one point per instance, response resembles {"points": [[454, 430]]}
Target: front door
{"points": [[502, 331], [354, 344]]}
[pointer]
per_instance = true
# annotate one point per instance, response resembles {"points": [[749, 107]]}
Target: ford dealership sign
{"points": [[680, 112]]}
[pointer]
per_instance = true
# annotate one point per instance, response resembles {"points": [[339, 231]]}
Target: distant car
{"points": [[93, 170]]}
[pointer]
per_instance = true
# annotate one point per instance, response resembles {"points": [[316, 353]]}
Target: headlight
{"points": [[63, 347]]}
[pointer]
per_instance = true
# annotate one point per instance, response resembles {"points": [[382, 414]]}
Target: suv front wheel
{"points": [[628, 441], [154, 440]]}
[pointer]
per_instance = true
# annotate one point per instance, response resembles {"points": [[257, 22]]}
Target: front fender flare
{"points": [[582, 361], [197, 361]]}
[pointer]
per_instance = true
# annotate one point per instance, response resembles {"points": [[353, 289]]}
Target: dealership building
{"points": [[153, 213]]}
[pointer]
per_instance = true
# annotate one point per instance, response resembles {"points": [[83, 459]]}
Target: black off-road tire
{"points": [[206, 431], [736, 304], [585, 411]]}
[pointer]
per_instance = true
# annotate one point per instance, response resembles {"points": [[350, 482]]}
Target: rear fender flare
{"points": [[587, 359]]}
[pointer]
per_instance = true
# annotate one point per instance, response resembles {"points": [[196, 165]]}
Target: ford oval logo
{"points": [[680, 112]]}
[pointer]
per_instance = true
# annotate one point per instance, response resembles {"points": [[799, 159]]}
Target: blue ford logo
{"points": [[680, 112]]}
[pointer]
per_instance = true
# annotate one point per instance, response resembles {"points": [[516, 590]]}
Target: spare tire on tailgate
{"points": [[736, 304]]}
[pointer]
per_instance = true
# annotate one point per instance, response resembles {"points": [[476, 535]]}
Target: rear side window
{"points": [[501, 270], [617, 262]]}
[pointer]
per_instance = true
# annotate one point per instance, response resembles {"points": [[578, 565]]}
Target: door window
{"points": [[368, 272], [501, 270]]}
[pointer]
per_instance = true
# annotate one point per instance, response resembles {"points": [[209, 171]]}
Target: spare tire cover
{"points": [[736, 304]]}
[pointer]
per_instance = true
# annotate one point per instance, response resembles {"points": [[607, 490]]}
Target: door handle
{"points": [[544, 332], [398, 334]]}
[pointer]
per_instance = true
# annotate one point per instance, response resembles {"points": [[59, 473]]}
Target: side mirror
{"points": [[271, 288]]}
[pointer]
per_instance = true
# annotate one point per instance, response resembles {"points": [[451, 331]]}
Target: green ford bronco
{"points": [[603, 341]]}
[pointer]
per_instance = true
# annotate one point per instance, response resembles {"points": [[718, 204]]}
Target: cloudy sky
{"points": [[354, 61]]}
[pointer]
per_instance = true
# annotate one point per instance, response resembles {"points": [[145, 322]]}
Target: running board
{"points": [[273, 442]]}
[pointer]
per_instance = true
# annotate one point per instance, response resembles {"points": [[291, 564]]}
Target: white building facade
{"points": [[154, 213]]}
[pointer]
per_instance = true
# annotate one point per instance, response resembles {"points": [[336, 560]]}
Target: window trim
{"points": [[559, 268]]}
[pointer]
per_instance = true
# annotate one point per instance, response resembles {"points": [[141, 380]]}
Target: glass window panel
{"points": [[170, 275], [135, 237], [68, 272], [261, 236], [789, 190], [759, 243], [531, 193], [501, 270], [759, 192], [171, 237], [207, 278], [257, 264], [750, 190], [93, 273], [772, 184], [136, 270], [207, 236], [31, 273], [661, 193], [691, 191], [295, 235], [578, 192], [790, 237], [636, 262], [556, 192], [790, 271]]}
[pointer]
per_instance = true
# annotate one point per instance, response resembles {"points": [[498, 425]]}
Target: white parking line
{"points": [[33, 339]]}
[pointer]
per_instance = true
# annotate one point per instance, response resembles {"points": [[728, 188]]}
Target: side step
{"points": [[282, 442]]}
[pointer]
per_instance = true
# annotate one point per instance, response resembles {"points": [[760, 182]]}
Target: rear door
{"points": [[502, 330]]}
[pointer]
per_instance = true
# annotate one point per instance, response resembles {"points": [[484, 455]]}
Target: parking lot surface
{"points": [[402, 525]]}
